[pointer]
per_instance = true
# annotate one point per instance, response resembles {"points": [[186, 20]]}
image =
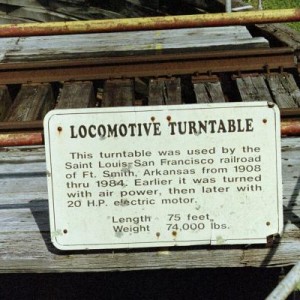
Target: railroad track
{"points": [[32, 86]]}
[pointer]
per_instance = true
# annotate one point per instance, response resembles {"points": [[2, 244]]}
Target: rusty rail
{"points": [[290, 127], [144, 66], [151, 23], [31, 133], [21, 139]]}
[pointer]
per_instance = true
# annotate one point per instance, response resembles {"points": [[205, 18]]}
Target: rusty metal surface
{"points": [[21, 139], [35, 63], [18, 126], [290, 127], [151, 23], [290, 112], [30, 133], [26, 133], [144, 66]]}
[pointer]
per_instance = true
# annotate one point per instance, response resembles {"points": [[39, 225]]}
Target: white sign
{"points": [[164, 175]]}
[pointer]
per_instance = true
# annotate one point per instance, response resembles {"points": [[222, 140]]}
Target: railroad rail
{"points": [[155, 65], [154, 72]]}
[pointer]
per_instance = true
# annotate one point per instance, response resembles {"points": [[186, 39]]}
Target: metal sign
{"points": [[156, 176]]}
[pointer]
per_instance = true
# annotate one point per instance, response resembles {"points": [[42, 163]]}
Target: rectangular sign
{"points": [[157, 176]]}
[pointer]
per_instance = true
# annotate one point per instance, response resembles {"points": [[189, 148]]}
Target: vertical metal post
{"points": [[228, 6]]}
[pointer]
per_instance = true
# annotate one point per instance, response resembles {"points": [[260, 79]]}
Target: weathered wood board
{"points": [[127, 43], [284, 90], [39, 15], [208, 91], [32, 103], [253, 88], [5, 102], [25, 240], [27, 3], [118, 93], [77, 95], [280, 33], [54, 11], [8, 20], [164, 91], [84, 13]]}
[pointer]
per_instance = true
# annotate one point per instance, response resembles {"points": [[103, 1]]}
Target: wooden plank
{"points": [[25, 237], [39, 14], [28, 3], [284, 90], [291, 87], [54, 10], [76, 2], [156, 94], [207, 91], [253, 88], [118, 92], [136, 8], [5, 102], [117, 44], [7, 45], [32, 103], [141, 87], [172, 91], [164, 91], [4, 19], [280, 34], [77, 95], [88, 13]]}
